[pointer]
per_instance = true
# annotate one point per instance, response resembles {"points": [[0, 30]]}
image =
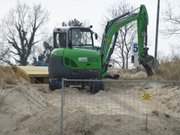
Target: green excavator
{"points": [[76, 57]]}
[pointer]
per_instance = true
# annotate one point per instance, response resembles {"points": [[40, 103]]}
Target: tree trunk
{"points": [[123, 62], [127, 58], [23, 61]]}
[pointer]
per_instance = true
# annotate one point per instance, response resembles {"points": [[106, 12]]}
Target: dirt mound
{"points": [[168, 99], [21, 100], [128, 74], [83, 123], [12, 75], [18, 104], [34, 110], [136, 75]]}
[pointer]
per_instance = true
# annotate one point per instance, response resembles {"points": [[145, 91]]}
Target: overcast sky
{"points": [[94, 11]]}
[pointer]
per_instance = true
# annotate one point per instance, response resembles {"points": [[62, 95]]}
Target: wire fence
{"points": [[124, 107]]}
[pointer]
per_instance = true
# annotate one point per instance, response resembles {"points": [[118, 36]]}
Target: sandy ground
{"points": [[27, 109]]}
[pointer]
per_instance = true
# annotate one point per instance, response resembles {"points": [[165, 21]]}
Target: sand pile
{"points": [[169, 99], [21, 100], [136, 75], [34, 110], [12, 75], [128, 74], [83, 123], [19, 104]]}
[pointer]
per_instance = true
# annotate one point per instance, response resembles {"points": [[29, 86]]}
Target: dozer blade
{"points": [[150, 64]]}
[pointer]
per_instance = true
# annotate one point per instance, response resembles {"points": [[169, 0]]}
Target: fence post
{"points": [[62, 107]]}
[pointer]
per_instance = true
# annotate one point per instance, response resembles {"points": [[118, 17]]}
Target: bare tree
{"points": [[122, 49], [21, 29], [73, 22], [172, 21], [4, 57]]}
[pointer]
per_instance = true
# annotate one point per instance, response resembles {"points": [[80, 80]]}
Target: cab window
{"points": [[81, 38], [60, 40]]}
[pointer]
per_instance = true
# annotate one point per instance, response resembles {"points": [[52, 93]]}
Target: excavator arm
{"points": [[111, 33]]}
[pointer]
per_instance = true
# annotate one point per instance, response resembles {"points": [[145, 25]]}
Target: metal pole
{"points": [[62, 108], [157, 29]]}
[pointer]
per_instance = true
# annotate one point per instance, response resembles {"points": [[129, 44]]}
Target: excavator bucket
{"points": [[150, 64]]}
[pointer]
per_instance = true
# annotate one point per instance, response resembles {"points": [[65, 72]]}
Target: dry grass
{"points": [[169, 70]]}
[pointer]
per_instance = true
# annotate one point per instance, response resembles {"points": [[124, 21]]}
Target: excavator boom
{"points": [[111, 33]]}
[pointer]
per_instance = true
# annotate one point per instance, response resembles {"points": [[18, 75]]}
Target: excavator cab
{"points": [[74, 57], [74, 37]]}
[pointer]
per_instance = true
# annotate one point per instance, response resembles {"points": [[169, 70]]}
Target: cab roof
{"points": [[66, 28]]}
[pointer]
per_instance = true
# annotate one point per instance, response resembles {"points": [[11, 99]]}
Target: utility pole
{"points": [[157, 29]]}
